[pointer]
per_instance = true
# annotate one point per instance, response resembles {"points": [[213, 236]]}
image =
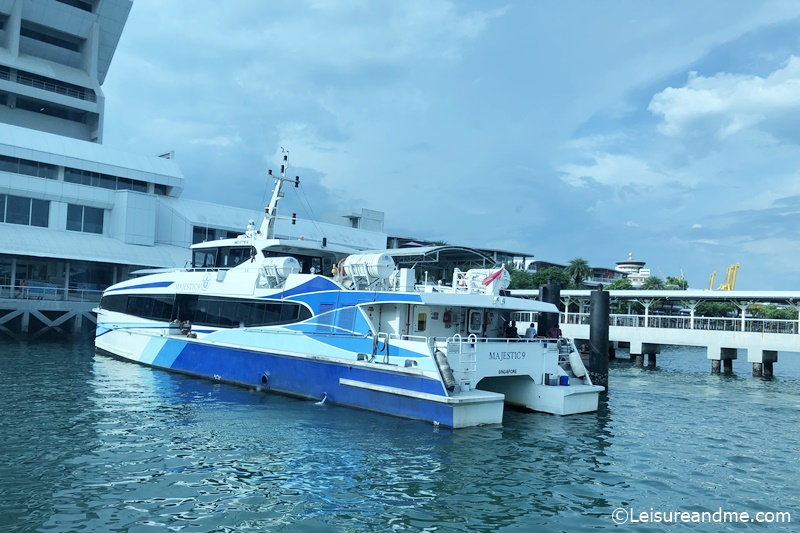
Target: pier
{"points": [[31, 313], [723, 337]]}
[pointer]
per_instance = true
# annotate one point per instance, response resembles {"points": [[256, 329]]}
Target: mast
{"points": [[271, 211]]}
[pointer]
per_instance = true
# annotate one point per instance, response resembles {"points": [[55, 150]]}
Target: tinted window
{"points": [[93, 220], [74, 217], [31, 168], [48, 171], [18, 210], [72, 175], [114, 302], [9, 164], [40, 213]]}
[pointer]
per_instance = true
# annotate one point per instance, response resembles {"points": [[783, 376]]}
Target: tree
{"points": [[716, 309], [553, 274], [653, 283], [521, 279], [577, 271], [623, 284], [676, 284]]}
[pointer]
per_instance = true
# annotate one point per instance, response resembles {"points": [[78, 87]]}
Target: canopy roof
{"points": [[440, 257]]}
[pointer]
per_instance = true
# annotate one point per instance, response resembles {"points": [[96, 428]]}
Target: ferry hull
{"points": [[557, 400], [371, 386]]}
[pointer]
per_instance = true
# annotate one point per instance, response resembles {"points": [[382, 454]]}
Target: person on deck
{"points": [[554, 332], [511, 330], [531, 331]]}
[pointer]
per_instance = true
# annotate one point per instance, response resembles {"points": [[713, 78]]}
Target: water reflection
{"points": [[111, 445]]}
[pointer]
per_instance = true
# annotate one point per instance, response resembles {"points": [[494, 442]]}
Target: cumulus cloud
{"points": [[618, 170], [726, 104]]}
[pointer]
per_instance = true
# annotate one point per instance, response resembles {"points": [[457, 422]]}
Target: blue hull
{"points": [[360, 385]]}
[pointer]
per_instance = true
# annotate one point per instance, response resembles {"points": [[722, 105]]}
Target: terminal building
{"points": [[77, 216]]}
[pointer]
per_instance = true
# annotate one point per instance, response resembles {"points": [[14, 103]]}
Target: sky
{"points": [[667, 129]]}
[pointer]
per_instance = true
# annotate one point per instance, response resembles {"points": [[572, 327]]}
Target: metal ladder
{"points": [[467, 356]]}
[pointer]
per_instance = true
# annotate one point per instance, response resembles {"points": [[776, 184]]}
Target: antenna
{"points": [[271, 211]]}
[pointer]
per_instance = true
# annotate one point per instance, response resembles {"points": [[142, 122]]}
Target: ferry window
{"points": [[475, 321], [160, 189], [203, 258], [422, 319], [236, 256], [114, 302], [227, 312]]}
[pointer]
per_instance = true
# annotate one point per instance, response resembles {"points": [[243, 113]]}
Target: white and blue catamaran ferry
{"points": [[316, 321]]}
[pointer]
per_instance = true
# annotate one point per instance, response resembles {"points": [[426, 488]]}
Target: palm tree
{"points": [[578, 270]]}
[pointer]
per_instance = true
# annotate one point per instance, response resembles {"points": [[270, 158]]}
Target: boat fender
{"points": [[576, 363], [186, 327], [445, 370]]}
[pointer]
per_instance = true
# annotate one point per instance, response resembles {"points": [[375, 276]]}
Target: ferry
{"points": [[323, 322]]}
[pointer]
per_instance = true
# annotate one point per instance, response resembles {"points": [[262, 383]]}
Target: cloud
{"points": [[726, 104], [619, 171]]}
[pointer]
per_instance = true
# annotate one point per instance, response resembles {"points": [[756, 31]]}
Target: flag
{"points": [[493, 276]]}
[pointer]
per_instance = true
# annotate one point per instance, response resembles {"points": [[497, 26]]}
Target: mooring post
{"points": [[715, 364], [757, 370], [599, 306], [549, 293], [728, 366]]}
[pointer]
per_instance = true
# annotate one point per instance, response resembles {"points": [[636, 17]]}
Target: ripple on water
{"points": [[114, 446]]}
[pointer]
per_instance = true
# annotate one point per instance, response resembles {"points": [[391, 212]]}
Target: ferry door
{"points": [[475, 323], [420, 319]]}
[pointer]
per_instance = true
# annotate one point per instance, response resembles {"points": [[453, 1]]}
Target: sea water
{"points": [[91, 443]]}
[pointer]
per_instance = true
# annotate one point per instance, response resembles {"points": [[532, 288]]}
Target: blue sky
{"points": [[666, 129]]}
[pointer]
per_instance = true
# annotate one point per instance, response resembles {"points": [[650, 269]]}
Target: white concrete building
{"points": [[76, 215]]}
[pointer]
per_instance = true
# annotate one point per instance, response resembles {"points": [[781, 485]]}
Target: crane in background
{"points": [[730, 279]]}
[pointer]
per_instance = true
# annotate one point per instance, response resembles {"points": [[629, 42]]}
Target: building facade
{"points": [[77, 216]]}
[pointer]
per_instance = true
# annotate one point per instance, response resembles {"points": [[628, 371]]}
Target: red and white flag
{"points": [[493, 276]]}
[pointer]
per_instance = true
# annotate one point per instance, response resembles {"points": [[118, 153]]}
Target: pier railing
{"points": [[746, 324], [47, 292]]}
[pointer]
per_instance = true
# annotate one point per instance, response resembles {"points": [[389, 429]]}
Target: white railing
{"points": [[48, 292], [749, 324]]}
